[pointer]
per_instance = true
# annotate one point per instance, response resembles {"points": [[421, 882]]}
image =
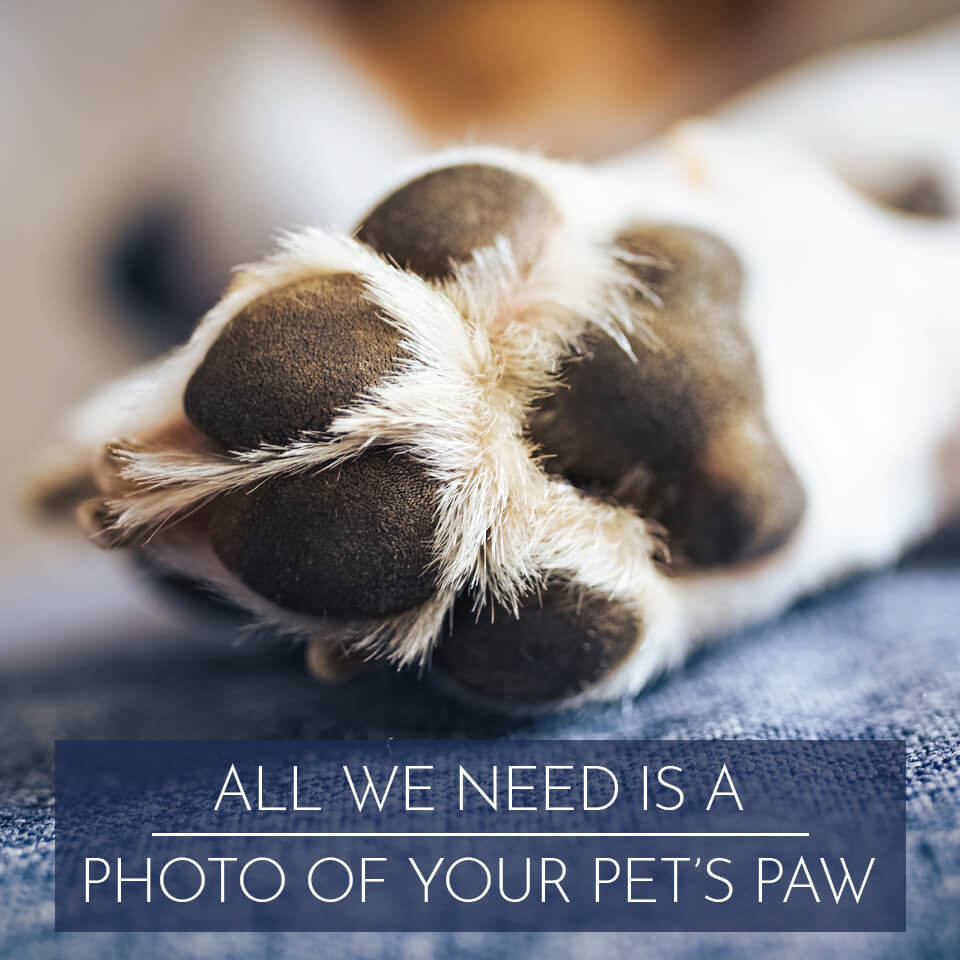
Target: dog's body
{"points": [[858, 340], [461, 439]]}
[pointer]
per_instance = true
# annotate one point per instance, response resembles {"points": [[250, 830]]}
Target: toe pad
{"points": [[564, 641], [351, 542]]}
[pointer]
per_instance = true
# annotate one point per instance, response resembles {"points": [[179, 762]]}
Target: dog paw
{"points": [[500, 406]]}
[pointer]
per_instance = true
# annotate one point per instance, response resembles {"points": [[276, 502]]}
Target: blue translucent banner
{"points": [[480, 835]]}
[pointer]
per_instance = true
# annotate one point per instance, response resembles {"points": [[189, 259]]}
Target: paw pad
{"points": [[289, 361], [350, 542], [447, 214], [686, 416], [562, 641]]}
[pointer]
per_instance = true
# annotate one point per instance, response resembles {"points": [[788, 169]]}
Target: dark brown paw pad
{"points": [[565, 640], [443, 216], [289, 361], [680, 432], [351, 542]]}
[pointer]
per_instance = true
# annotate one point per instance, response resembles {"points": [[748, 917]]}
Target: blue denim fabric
{"points": [[874, 658]]}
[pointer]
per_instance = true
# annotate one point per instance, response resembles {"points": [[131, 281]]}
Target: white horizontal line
{"points": [[163, 834]]}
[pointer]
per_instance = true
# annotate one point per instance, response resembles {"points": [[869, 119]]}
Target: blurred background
{"points": [[149, 147]]}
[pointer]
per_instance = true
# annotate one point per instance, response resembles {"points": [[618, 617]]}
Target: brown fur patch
{"points": [[446, 214], [354, 542], [565, 640], [923, 195], [57, 494], [289, 361], [680, 433]]}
